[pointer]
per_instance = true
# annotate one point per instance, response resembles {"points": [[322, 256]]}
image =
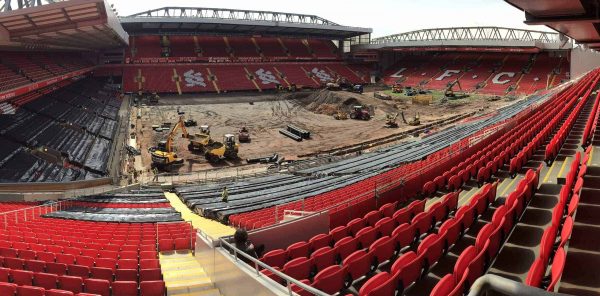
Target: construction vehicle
{"points": [[190, 122], [218, 151], [332, 86], [414, 121], [153, 99], [164, 158], [357, 88], [200, 140], [244, 135], [390, 120], [360, 113], [449, 93], [340, 115], [397, 88]]}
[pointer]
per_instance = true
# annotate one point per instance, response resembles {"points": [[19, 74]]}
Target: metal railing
{"points": [[235, 252], [31, 213], [503, 286]]}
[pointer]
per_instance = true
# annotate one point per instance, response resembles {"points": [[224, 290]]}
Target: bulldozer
{"points": [[390, 120], [397, 88], [413, 122], [340, 115], [360, 112], [244, 135], [218, 151]]}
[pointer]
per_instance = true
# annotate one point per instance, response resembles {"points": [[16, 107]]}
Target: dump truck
{"points": [[200, 140], [218, 151]]}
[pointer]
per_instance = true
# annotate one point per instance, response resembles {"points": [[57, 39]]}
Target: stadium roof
{"points": [[75, 24], [578, 19], [470, 37], [185, 20]]}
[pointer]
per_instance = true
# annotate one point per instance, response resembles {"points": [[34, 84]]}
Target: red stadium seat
{"points": [[22, 277], [30, 291], [152, 288], [98, 286], [358, 264], [46, 280], [323, 257], [70, 283], [275, 258], [330, 280], [152, 274], [125, 288], [298, 268]]}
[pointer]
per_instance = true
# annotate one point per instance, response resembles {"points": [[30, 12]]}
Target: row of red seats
{"points": [[362, 245], [474, 260], [551, 250], [86, 267], [76, 286], [233, 77], [208, 46], [119, 205], [542, 130], [590, 126], [559, 138]]}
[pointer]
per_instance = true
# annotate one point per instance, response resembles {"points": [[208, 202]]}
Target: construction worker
{"points": [[224, 194], [155, 171]]}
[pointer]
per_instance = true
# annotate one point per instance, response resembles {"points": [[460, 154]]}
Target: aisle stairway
{"points": [[183, 275], [211, 228]]}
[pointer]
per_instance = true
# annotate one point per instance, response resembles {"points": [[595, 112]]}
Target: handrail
{"points": [[58, 205], [289, 280], [504, 286]]}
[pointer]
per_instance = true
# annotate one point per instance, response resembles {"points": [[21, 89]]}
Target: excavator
{"points": [[415, 121], [390, 120], [164, 158], [340, 115], [449, 93]]}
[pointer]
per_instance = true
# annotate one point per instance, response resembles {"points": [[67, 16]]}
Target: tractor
{"points": [[360, 113]]}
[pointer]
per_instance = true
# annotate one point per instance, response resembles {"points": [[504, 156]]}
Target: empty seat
{"points": [[30, 291], [298, 268], [380, 284], [275, 258], [152, 288], [319, 241], [323, 257], [358, 264], [152, 274], [45, 280], [98, 286], [35, 265], [8, 289], [22, 277], [330, 280], [56, 292], [70, 283], [125, 288], [298, 249], [126, 275]]}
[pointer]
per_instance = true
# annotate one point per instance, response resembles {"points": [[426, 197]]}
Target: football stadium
{"points": [[221, 152]]}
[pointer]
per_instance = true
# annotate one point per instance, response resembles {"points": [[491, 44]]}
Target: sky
{"points": [[385, 17]]}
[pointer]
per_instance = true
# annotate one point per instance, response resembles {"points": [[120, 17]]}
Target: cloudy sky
{"points": [[384, 16]]}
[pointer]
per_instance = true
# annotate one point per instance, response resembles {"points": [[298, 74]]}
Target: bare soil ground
{"points": [[265, 114]]}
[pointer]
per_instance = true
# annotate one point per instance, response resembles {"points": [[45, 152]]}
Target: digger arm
{"points": [[178, 125]]}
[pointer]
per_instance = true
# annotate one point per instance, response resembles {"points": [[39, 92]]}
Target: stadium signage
{"points": [[219, 60], [474, 49], [37, 85]]}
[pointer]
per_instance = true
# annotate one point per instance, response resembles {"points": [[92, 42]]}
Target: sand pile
{"points": [[329, 102]]}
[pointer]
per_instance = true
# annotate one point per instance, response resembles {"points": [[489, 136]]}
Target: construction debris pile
{"points": [[329, 102]]}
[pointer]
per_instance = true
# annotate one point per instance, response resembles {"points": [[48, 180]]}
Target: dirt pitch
{"points": [[265, 114]]}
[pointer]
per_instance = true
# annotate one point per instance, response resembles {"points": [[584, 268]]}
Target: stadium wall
{"points": [[583, 60]]}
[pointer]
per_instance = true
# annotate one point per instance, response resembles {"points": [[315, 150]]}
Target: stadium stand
{"points": [[490, 73], [76, 123], [22, 68], [354, 251]]}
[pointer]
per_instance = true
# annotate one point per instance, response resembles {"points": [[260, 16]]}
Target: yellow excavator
{"points": [[164, 158], [449, 93]]}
